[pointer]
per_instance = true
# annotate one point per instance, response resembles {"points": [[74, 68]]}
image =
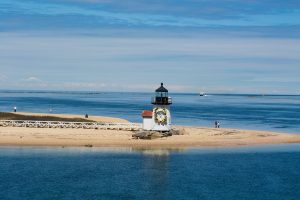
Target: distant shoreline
{"points": [[148, 92], [57, 117], [191, 137]]}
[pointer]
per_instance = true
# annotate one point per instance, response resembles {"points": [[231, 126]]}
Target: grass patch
{"points": [[13, 116]]}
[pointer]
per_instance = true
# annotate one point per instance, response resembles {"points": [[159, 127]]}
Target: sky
{"points": [[213, 46]]}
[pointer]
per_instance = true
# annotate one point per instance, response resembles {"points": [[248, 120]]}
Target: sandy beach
{"points": [[91, 117], [191, 137]]}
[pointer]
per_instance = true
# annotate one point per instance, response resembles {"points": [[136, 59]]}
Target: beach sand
{"points": [[93, 118], [191, 136]]}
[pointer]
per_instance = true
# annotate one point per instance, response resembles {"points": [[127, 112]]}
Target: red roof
{"points": [[147, 113]]}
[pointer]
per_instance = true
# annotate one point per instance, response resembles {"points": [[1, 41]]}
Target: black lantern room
{"points": [[161, 96]]}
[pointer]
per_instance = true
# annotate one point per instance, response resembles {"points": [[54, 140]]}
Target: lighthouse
{"points": [[161, 116], [161, 109]]}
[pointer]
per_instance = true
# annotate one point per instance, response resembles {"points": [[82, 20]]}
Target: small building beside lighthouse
{"points": [[160, 116], [147, 120]]}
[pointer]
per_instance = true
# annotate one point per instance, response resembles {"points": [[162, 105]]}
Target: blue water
{"points": [[276, 113], [260, 173], [270, 172]]}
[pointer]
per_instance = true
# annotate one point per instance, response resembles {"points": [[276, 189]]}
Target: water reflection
{"points": [[155, 174], [150, 152], [138, 173], [158, 151]]}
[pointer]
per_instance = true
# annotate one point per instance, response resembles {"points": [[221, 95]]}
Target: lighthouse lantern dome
{"points": [[161, 96]]}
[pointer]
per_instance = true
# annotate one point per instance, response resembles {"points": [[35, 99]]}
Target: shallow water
{"points": [[270, 172], [276, 113]]}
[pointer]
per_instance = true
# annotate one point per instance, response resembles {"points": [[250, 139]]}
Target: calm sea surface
{"points": [[260, 173], [276, 113], [271, 172]]}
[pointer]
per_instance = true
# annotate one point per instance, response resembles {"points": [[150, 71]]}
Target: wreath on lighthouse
{"points": [[160, 115]]}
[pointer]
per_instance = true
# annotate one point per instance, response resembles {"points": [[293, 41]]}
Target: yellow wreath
{"points": [[157, 117]]}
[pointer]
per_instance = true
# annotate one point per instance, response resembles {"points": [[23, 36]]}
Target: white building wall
{"points": [[147, 123], [167, 126]]}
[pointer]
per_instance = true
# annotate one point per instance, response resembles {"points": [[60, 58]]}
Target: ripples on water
{"points": [[277, 113], [239, 173]]}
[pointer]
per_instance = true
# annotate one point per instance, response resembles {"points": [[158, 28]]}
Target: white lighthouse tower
{"points": [[161, 116]]}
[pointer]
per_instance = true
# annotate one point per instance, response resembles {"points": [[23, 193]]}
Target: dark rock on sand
{"points": [[149, 135]]}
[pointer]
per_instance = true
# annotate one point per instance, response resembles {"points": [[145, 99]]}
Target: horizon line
{"points": [[98, 91]]}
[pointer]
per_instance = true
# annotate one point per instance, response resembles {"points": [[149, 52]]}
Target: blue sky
{"points": [[231, 46]]}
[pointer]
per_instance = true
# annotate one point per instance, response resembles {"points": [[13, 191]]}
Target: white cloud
{"points": [[32, 79], [83, 85], [276, 79], [140, 64]]}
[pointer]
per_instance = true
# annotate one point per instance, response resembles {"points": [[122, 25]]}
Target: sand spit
{"points": [[189, 136], [93, 118], [192, 137]]}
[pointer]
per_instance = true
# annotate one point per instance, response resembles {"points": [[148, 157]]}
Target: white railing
{"points": [[59, 124]]}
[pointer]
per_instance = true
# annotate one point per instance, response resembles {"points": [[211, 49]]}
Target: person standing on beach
{"points": [[15, 109], [216, 124]]}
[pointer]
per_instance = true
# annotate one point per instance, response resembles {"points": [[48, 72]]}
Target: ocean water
{"points": [[260, 173], [276, 113]]}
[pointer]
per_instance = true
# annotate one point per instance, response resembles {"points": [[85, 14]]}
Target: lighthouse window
{"points": [[161, 94], [161, 97]]}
